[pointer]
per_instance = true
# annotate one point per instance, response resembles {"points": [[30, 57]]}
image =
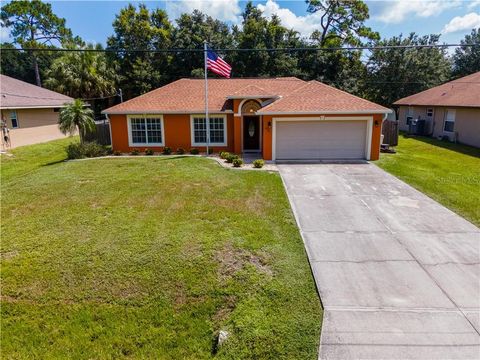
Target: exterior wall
{"points": [[177, 134], [27, 118], [467, 125], [467, 122], [34, 135], [268, 133]]}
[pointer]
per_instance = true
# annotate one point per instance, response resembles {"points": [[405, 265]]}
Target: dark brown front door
{"points": [[251, 133]]}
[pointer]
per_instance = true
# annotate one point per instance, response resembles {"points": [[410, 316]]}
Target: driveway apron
{"points": [[398, 274]]}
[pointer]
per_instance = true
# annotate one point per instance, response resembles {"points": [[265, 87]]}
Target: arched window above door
{"points": [[250, 107]]}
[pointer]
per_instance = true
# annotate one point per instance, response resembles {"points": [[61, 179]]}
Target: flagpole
{"points": [[207, 120]]}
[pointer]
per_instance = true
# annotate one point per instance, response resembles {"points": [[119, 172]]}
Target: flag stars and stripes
{"points": [[216, 64]]}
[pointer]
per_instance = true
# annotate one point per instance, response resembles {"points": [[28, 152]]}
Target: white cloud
{"points": [[460, 23], [305, 25], [224, 10], [398, 10], [474, 3]]}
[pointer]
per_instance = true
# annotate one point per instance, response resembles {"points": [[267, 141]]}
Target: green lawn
{"points": [[149, 258], [447, 172]]}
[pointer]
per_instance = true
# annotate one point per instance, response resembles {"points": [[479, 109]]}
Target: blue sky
{"points": [[92, 20]]}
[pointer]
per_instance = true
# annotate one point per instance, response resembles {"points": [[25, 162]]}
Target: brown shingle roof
{"points": [[315, 96], [188, 96], [464, 92], [16, 94]]}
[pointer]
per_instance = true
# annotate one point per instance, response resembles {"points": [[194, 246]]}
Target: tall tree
{"points": [[343, 20], [466, 59], [190, 33], [398, 72], [144, 30], [33, 24], [83, 74]]}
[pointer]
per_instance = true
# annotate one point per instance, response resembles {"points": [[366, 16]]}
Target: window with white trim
{"points": [[146, 130], [429, 112], [449, 124], [14, 119], [218, 130]]}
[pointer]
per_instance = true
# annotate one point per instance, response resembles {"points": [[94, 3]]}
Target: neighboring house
{"points": [[277, 118], [30, 112], [451, 110]]}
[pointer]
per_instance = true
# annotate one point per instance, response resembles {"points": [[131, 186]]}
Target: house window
{"points": [[449, 124], [145, 130], [217, 131], [13, 119], [429, 112]]}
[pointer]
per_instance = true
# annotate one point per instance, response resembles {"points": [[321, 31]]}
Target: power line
{"points": [[292, 49]]}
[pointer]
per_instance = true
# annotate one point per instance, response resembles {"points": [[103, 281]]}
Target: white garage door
{"points": [[298, 140]]}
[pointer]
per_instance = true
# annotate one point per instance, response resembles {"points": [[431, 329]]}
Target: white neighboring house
{"points": [[30, 112]]}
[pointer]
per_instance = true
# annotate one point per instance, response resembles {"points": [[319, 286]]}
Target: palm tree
{"points": [[76, 116], [82, 74]]}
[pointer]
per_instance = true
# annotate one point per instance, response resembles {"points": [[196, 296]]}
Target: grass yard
{"points": [[150, 258], [447, 172]]}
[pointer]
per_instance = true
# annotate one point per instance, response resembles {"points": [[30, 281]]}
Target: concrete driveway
{"points": [[398, 274]]}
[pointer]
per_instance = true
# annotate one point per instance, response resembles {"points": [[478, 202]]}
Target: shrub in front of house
{"points": [[224, 154], [194, 151], [258, 164], [180, 151], [229, 159], [135, 152], [166, 150], [117, 153], [237, 162], [148, 152], [85, 150]]}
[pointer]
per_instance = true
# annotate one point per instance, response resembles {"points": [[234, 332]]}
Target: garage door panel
{"points": [[320, 139]]}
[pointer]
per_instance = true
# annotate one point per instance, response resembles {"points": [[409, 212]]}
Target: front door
{"points": [[251, 133]]}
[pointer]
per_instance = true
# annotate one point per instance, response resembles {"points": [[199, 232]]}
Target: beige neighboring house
{"points": [[30, 112], [451, 110]]}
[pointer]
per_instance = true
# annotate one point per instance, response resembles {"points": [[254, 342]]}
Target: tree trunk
{"points": [[37, 71], [80, 133]]}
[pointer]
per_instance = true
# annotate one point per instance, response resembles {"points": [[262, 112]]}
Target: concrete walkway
{"points": [[398, 274]]}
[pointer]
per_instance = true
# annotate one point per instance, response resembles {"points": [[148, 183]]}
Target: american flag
{"points": [[217, 64]]}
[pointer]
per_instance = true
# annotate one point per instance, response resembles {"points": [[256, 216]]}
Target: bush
{"points": [[229, 159], [194, 151], [148, 152], [88, 149], [108, 149], [166, 151], [135, 152], [180, 151], [210, 151], [258, 164], [117, 153], [237, 162], [224, 154]]}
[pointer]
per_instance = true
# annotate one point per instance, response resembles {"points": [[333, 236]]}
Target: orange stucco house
{"points": [[278, 118]]}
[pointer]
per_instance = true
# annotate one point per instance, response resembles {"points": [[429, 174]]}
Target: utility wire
{"points": [[293, 49]]}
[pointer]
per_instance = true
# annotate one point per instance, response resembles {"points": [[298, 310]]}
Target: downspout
{"points": [[110, 129]]}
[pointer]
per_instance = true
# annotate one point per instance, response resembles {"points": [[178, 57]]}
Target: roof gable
{"points": [[15, 93]]}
